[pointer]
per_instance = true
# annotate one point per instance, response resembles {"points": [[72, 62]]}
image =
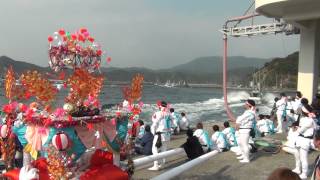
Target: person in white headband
{"points": [[161, 129], [244, 124], [305, 139]]}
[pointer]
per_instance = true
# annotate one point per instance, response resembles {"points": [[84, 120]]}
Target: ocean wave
{"points": [[208, 110], [237, 96], [211, 110], [269, 98]]}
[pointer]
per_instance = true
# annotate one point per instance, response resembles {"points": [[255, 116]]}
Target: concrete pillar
{"points": [[309, 60]]}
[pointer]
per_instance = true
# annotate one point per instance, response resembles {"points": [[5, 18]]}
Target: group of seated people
{"points": [[265, 125], [199, 142], [144, 137], [180, 122], [221, 140]]}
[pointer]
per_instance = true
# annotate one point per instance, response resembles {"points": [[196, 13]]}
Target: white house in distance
{"points": [[304, 14]]}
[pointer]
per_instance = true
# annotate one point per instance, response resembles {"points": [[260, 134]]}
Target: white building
{"points": [[304, 14]]}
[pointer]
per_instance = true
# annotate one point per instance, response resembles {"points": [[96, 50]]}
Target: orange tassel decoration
{"points": [[39, 87], [8, 147], [134, 92], [82, 84], [10, 83]]}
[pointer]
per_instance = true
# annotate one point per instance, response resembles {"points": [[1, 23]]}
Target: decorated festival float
{"points": [[78, 140]]}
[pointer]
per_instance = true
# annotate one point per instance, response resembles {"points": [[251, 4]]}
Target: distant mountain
{"points": [[213, 64], [200, 70], [278, 73], [19, 66]]}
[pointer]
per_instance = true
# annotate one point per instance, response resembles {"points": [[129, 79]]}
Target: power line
{"points": [[253, 2]]}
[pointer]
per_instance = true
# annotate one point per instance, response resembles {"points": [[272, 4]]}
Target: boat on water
{"points": [[183, 84], [170, 84]]}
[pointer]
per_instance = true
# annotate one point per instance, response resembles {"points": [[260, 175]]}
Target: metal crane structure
{"points": [[247, 31]]}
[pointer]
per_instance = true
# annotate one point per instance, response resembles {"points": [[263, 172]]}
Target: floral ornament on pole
{"points": [[74, 50], [132, 96]]}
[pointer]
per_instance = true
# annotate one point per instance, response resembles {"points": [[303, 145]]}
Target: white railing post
{"points": [[148, 159], [186, 166]]}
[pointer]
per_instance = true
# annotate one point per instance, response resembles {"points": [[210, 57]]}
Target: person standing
{"points": [[176, 119], [290, 145], [161, 129], [297, 105], [304, 140], [244, 125], [184, 122], [274, 109], [281, 112]]}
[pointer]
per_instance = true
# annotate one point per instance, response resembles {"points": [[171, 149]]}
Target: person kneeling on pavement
{"points": [[144, 146], [204, 139], [219, 139], [192, 147]]}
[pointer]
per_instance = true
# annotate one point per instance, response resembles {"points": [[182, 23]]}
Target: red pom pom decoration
{"points": [[50, 38], [62, 32], [99, 52], [83, 30]]}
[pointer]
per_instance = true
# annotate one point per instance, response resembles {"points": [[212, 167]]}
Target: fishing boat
{"points": [[169, 84]]}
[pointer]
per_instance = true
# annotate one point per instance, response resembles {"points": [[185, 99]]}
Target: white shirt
{"points": [[176, 119], [281, 105], [161, 122], [290, 105], [229, 135], [292, 137], [184, 123], [270, 124], [306, 126], [219, 139], [262, 126], [246, 119], [297, 105], [200, 134]]}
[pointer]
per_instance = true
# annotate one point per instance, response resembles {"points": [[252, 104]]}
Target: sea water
{"points": [[199, 104]]}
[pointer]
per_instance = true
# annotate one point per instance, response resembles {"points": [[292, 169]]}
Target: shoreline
{"points": [[205, 85]]}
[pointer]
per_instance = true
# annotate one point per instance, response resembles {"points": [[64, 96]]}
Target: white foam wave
{"points": [[237, 96], [269, 98], [198, 111], [213, 101], [211, 109]]}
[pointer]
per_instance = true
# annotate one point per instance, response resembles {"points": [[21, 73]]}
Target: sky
{"points": [[135, 33]]}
